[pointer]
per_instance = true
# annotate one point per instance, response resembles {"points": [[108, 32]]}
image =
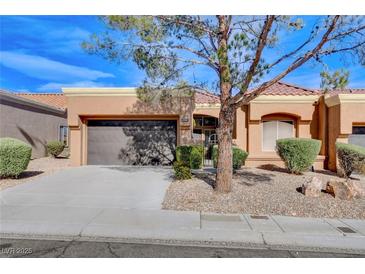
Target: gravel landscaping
{"points": [[36, 168], [261, 192]]}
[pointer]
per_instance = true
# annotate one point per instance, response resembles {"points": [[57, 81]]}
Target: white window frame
{"points": [[67, 137], [277, 131]]}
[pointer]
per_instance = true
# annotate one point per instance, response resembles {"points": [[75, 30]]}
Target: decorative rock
{"points": [[345, 190], [357, 188], [313, 187]]}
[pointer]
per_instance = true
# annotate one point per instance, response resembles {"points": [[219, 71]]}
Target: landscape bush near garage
{"points": [[182, 172], [190, 155], [14, 157], [55, 148]]}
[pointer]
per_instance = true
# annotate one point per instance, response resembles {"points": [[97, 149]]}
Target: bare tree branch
{"points": [[241, 99]]}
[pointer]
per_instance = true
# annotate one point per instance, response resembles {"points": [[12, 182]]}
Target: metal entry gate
{"points": [[210, 141]]}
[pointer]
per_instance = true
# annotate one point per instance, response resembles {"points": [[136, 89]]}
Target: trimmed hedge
{"points": [[55, 148], [350, 158], [14, 157], [197, 157], [298, 154], [183, 154], [190, 155], [182, 172], [239, 157]]}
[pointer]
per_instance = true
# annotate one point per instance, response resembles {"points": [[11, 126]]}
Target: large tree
{"points": [[234, 47]]}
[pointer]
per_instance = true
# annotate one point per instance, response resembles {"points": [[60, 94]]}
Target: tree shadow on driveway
{"points": [[165, 170]]}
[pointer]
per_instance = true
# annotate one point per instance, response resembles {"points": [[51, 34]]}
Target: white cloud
{"points": [[68, 33], [53, 86], [47, 69], [45, 35]]}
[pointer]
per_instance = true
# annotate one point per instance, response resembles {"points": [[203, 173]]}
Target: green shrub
{"points": [[14, 157], [190, 155], [183, 154], [55, 148], [298, 154], [196, 158], [239, 157], [182, 172], [350, 158]]}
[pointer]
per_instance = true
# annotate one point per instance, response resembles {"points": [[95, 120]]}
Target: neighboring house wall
{"points": [[30, 122]]}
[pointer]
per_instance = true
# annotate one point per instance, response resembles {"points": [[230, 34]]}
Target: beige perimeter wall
{"points": [[30, 124]]}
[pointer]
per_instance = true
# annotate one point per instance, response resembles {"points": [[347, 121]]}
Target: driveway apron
{"points": [[94, 187]]}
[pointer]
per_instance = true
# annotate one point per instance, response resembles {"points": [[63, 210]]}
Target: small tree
{"points": [[339, 79], [233, 47]]}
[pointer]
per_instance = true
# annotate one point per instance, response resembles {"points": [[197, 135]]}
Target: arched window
{"points": [[273, 130]]}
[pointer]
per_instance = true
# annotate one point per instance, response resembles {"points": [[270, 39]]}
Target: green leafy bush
{"points": [[14, 157], [196, 157], [183, 154], [239, 157], [298, 154], [182, 172], [191, 156], [350, 158], [55, 148]]}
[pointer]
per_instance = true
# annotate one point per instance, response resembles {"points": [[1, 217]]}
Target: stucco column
{"points": [[241, 131], [75, 145], [322, 124]]}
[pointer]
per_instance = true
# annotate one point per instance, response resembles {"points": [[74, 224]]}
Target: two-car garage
{"points": [[131, 142], [113, 126]]}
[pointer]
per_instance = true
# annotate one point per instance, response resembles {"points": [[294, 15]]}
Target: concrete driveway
{"points": [[94, 187]]}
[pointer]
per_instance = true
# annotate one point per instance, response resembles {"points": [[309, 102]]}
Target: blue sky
{"points": [[43, 54]]}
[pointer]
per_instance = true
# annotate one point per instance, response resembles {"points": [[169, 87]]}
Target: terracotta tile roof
{"points": [[346, 91], [204, 97], [281, 88], [57, 100]]}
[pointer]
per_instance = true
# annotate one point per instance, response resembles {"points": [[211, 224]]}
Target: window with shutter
{"points": [[274, 130]]}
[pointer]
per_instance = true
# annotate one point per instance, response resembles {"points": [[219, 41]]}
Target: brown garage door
{"points": [[131, 142]]}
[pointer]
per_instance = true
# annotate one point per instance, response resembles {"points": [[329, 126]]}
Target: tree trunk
{"points": [[224, 166], [226, 115]]}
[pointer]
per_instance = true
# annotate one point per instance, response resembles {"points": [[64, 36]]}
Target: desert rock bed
{"points": [[261, 192]]}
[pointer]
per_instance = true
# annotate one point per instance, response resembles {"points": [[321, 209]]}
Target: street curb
{"points": [[191, 243]]}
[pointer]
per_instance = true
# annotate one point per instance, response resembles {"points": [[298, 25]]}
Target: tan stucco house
{"points": [[112, 126]]}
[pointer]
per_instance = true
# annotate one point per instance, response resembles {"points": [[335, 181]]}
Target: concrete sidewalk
{"points": [[177, 227]]}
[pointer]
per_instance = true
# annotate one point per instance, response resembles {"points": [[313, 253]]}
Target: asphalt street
{"points": [[10, 248]]}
